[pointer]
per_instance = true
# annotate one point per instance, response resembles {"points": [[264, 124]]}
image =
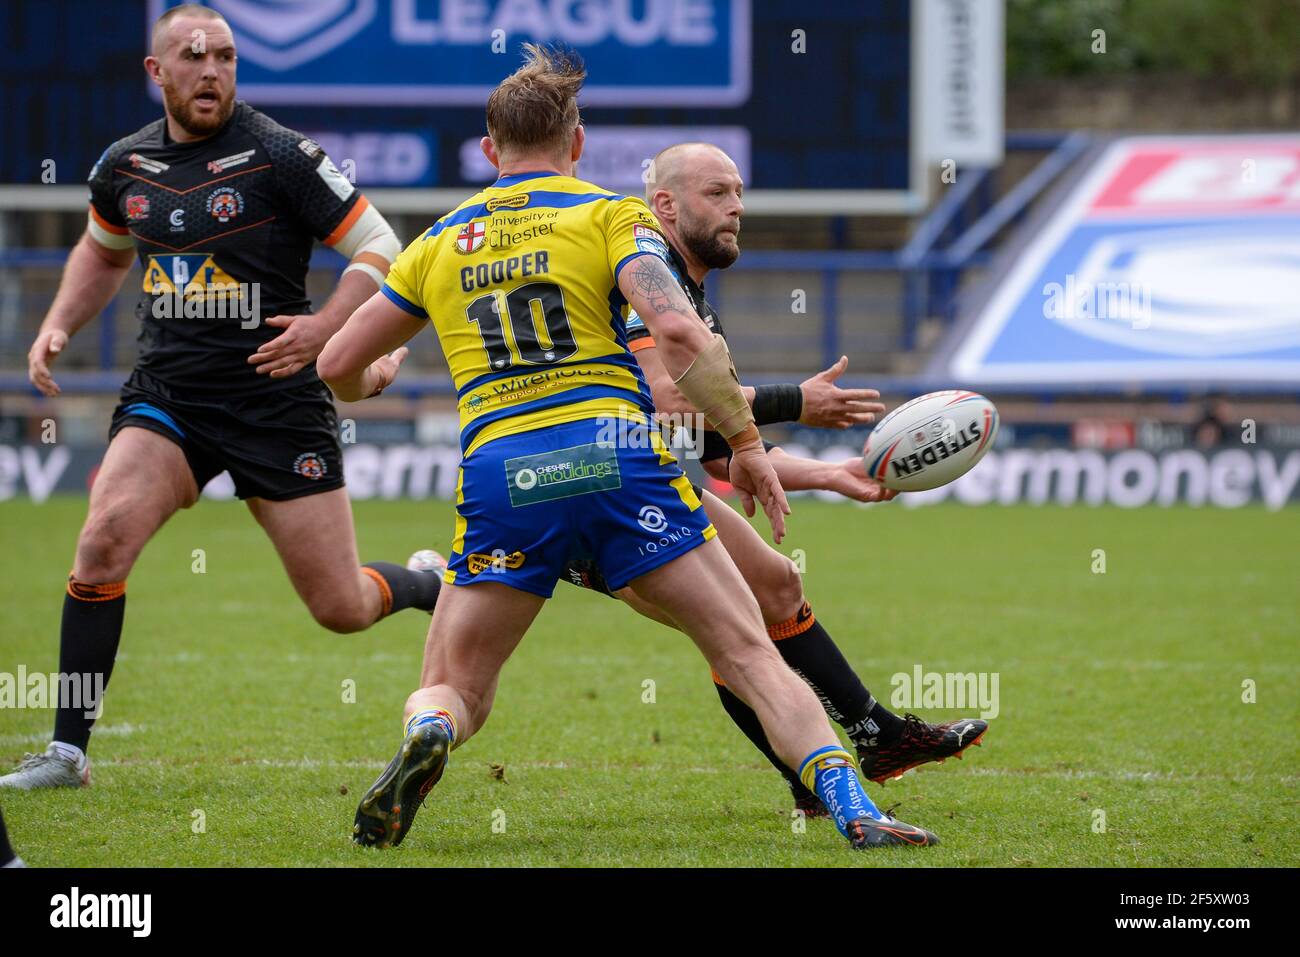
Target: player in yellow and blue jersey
{"points": [[527, 285]]}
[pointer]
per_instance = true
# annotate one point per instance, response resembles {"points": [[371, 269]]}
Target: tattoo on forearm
{"points": [[651, 278]]}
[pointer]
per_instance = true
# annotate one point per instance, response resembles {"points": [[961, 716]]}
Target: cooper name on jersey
{"points": [[498, 271]]}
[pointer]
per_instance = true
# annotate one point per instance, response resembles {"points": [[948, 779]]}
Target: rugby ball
{"points": [[931, 440]]}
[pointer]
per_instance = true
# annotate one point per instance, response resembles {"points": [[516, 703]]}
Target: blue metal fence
{"points": [[950, 240]]}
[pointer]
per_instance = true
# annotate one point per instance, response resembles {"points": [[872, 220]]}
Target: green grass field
{"points": [[1119, 692]]}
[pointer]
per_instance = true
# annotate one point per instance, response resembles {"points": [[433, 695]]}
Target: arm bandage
{"points": [[370, 243], [712, 386]]}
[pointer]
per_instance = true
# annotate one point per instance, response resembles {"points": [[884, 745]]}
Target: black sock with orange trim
{"points": [[88, 640], [809, 649], [747, 721], [401, 588]]}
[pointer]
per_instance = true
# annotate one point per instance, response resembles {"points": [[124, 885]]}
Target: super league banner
{"points": [[1172, 259], [804, 96], [452, 52]]}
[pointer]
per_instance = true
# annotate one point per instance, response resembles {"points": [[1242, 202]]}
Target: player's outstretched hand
{"points": [[850, 479], [753, 477], [385, 369], [292, 350], [44, 351], [827, 406]]}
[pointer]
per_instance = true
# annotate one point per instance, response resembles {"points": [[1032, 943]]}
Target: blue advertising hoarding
{"points": [[453, 52], [1169, 259], [809, 98]]}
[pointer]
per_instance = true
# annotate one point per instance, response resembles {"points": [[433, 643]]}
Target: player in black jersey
{"points": [[221, 204], [695, 191]]}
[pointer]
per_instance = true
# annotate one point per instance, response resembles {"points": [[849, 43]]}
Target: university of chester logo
{"points": [[225, 204], [470, 238], [310, 465]]}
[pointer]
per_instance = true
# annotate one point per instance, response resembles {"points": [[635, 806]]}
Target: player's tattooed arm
{"points": [[653, 280], [659, 300]]}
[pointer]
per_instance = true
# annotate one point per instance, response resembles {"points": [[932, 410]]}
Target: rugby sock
{"points": [[401, 588], [88, 640], [810, 651], [443, 719], [830, 772], [747, 721], [71, 752]]}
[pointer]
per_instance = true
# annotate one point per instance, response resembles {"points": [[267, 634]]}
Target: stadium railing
{"points": [[897, 288]]}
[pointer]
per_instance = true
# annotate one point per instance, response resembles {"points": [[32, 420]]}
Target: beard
{"points": [[708, 248], [182, 111]]}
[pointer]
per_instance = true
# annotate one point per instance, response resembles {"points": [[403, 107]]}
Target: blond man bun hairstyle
{"points": [[535, 109]]}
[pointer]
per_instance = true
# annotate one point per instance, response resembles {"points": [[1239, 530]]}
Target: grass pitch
{"points": [[227, 740]]}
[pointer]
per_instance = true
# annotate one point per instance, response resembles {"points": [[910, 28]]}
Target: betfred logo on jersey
{"points": [[470, 238], [137, 207], [225, 204], [649, 241]]}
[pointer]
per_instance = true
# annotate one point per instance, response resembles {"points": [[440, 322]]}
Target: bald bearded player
{"points": [[696, 192]]}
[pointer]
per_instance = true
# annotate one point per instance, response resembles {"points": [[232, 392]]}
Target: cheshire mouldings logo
{"points": [[283, 34]]}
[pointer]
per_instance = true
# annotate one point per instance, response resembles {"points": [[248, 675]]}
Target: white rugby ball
{"points": [[931, 440]]}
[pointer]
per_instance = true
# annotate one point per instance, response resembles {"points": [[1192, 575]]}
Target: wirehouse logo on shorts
{"points": [[74, 910], [936, 689], [83, 691]]}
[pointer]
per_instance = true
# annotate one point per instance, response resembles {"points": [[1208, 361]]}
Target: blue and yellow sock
{"points": [[829, 772], [443, 719]]}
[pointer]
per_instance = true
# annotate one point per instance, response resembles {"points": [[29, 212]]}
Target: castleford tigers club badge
{"points": [[225, 204], [470, 238], [310, 465]]}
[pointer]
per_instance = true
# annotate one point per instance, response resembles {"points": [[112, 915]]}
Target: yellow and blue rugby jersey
{"points": [[520, 282]]}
